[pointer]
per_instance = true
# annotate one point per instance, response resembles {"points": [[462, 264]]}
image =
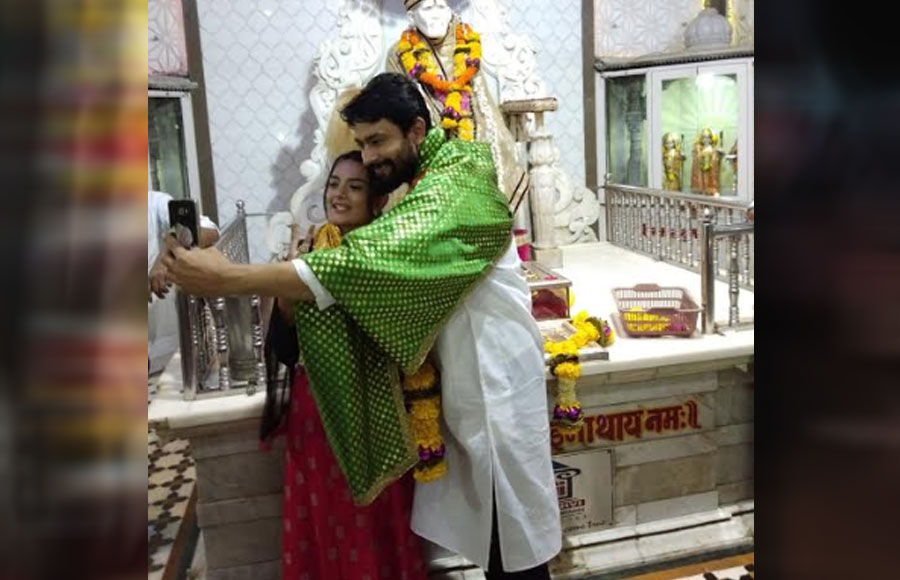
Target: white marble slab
{"points": [[169, 410], [608, 557], [678, 506], [596, 268], [730, 492], [603, 395], [733, 434], [672, 448]]}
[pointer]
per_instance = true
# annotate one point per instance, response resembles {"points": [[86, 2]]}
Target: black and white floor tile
{"points": [[171, 482]]}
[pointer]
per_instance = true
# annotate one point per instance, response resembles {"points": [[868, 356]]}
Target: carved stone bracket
{"points": [[507, 55]]}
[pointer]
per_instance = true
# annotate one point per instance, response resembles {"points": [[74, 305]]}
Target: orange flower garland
{"points": [[420, 63], [566, 367], [423, 403]]}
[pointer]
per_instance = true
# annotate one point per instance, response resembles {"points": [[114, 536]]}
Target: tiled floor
{"points": [[170, 505]]}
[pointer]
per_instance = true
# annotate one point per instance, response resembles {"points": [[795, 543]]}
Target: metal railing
{"points": [[221, 338], [666, 226], [710, 235], [669, 227]]}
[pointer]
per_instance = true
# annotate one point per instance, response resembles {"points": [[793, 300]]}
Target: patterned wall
{"points": [[556, 34], [626, 28], [741, 13], [257, 61], [166, 48]]}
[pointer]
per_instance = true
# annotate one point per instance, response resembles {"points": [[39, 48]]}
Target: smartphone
{"points": [[184, 221]]}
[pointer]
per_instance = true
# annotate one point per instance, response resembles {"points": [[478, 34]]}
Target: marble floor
{"points": [[732, 568]]}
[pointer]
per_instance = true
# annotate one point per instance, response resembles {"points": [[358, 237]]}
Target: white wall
{"points": [[554, 29], [257, 59], [626, 28]]}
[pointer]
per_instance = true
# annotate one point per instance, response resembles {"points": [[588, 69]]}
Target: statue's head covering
{"points": [[338, 137], [410, 4]]}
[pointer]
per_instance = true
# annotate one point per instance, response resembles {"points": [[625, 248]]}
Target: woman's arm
{"points": [[284, 304]]}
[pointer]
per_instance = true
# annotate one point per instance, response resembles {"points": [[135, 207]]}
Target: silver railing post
{"points": [[708, 274], [733, 281]]}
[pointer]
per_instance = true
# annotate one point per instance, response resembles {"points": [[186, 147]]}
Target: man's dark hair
{"points": [[389, 96]]}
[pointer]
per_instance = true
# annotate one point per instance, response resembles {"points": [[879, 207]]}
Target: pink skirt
{"points": [[325, 535]]}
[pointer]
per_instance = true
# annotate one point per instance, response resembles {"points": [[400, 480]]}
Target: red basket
{"points": [[651, 310]]}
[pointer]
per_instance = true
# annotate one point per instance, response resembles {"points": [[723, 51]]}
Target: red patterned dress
{"points": [[326, 536]]}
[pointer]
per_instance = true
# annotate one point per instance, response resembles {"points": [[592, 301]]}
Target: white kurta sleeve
{"points": [[324, 299], [207, 223]]}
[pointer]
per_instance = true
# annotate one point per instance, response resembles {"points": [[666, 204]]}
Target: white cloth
{"points": [[496, 428], [158, 223], [324, 299]]}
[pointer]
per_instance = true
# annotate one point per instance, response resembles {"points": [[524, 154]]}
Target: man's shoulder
{"points": [[459, 151]]}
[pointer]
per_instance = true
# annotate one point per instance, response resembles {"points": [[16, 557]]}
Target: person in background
{"points": [[157, 226], [161, 317]]}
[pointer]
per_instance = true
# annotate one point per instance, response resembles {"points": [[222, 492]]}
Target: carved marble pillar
{"points": [[634, 120], [542, 156]]}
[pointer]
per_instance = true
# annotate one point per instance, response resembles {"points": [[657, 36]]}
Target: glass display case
{"points": [[626, 130], [684, 128], [171, 168], [165, 140], [172, 158]]}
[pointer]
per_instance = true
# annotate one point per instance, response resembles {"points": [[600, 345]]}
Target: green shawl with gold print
{"points": [[396, 281]]}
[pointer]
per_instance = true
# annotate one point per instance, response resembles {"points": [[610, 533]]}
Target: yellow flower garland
{"points": [[328, 236], [637, 320], [423, 401], [564, 365], [420, 63]]}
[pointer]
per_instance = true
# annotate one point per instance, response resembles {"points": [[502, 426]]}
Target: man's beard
{"points": [[402, 170]]}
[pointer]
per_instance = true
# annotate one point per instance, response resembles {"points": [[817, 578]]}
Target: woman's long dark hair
{"points": [[281, 347]]}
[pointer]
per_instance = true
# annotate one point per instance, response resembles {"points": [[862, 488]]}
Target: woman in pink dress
{"points": [[326, 536]]}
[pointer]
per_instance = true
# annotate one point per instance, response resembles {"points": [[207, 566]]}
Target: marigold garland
{"points": [[565, 366], [420, 62], [637, 320], [423, 403], [328, 236]]}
